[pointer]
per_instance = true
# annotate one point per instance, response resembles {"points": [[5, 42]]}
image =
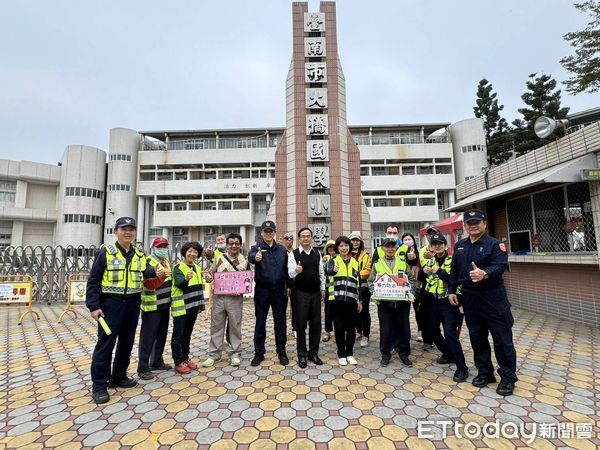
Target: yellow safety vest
{"points": [[153, 300], [401, 251], [344, 284], [381, 266], [422, 258], [118, 278], [434, 285], [193, 295]]}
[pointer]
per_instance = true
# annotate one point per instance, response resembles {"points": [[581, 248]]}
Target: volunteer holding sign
{"points": [[226, 307], [394, 311]]}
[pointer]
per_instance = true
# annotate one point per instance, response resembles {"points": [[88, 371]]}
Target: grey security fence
{"points": [[50, 267]]}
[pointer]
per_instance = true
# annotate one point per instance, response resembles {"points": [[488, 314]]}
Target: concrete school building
{"points": [[546, 206], [195, 184]]}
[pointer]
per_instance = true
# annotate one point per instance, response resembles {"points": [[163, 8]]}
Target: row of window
{"points": [[119, 187], [83, 218], [473, 148], [207, 175], [203, 206], [366, 171], [84, 192], [8, 185], [120, 157], [8, 197], [390, 202]]}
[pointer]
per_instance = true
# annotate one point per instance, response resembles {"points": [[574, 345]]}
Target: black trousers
{"points": [[345, 316], [394, 322], [275, 299], [488, 312], [121, 314], [363, 325], [181, 337], [328, 316], [293, 305], [308, 312], [153, 336], [447, 315], [425, 301]]}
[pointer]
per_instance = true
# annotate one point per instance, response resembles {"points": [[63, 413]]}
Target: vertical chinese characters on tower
{"points": [[317, 128]]}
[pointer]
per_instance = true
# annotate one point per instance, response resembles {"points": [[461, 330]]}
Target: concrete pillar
{"points": [[17, 233], [141, 236], [21, 194]]}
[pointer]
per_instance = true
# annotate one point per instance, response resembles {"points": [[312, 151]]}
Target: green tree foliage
{"points": [[542, 99], [497, 131], [584, 65]]}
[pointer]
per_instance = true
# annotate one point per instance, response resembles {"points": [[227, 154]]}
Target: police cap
{"points": [[268, 225], [439, 239], [125, 222], [473, 215]]}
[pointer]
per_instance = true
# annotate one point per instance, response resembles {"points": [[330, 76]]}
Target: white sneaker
{"points": [[351, 360], [420, 337], [209, 362], [364, 341], [343, 361], [235, 361], [295, 335]]}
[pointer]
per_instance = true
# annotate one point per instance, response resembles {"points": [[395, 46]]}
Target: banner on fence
{"points": [[15, 292], [77, 291]]}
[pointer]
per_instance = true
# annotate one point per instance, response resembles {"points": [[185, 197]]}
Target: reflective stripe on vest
{"points": [[161, 296], [182, 301], [117, 277], [344, 284], [434, 285]]}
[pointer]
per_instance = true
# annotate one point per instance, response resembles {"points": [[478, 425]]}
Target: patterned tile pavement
{"points": [[45, 400]]}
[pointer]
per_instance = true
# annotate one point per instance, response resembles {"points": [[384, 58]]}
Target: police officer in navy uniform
{"points": [[113, 292], [477, 265], [270, 261]]}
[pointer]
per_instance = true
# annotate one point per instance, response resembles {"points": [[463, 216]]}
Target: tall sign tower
{"points": [[317, 162]]}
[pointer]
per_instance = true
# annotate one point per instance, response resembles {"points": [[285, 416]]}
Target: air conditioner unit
{"points": [[178, 231], [209, 230]]}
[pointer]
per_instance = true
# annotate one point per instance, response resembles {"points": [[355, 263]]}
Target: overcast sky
{"points": [[70, 69]]}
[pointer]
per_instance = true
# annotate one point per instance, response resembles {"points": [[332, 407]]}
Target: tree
{"points": [[497, 131], [584, 65], [542, 99], [487, 107]]}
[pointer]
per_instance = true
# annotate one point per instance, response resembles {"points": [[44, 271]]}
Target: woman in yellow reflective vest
{"points": [[436, 276], [358, 252], [344, 278], [187, 295]]}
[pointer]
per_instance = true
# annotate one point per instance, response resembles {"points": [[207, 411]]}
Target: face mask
{"points": [[161, 253], [221, 246], [392, 235], [409, 242]]}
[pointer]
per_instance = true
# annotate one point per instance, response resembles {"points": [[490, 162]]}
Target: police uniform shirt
{"points": [[488, 254]]}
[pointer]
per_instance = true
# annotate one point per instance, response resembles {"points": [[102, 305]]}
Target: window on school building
{"points": [[557, 220]]}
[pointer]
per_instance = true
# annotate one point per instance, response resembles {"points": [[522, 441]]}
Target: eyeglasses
{"points": [[236, 244], [289, 238]]}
